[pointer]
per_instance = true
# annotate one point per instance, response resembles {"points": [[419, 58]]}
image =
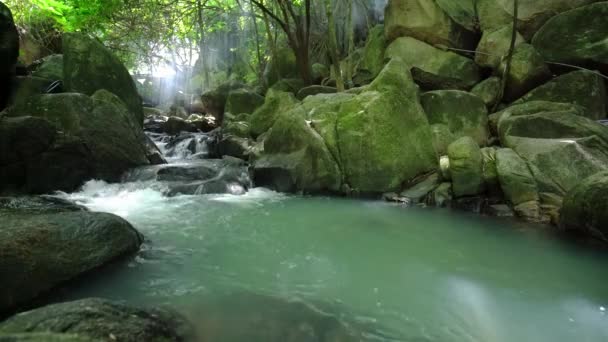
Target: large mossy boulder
{"points": [[88, 66], [296, 158], [560, 148], [494, 45], [488, 90], [50, 67], [463, 113], [466, 167], [528, 70], [583, 88], [45, 244], [101, 320], [99, 132], [425, 21], [315, 90], [585, 207], [276, 103], [534, 107], [532, 14], [576, 37], [463, 12], [452, 68], [243, 101], [372, 59], [518, 184], [281, 65]]}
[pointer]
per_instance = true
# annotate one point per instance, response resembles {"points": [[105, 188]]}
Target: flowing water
{"points": [[406, 274]]}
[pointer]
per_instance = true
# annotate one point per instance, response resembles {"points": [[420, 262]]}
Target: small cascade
{"points": [[186, 146]]}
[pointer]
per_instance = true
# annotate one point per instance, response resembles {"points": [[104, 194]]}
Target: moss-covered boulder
{"points": [[442, 138], [531, 16], [576, 37], [50, 67], [452, 67], [488, 90], [46, 246], [243, 101], [319, 72], [101, 320], [560, 148], [534, 107], [518, 184], [528, 70], [296, 158], [281, 65], [372, 59], [463, 12], [276, 103], [315, 90], [583, 88], [425, 21], [493, 45], [466, 167], [463, 113], [214, 101], [289, 85], [102, 124], [585, 207], [88, 67]]}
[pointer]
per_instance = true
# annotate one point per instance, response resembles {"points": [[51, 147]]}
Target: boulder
{"points": [[281, 65], [425, 21], [518, 184], [466, 167], [489, 169], [319, 72], [235, 146], [50, 67], [534, 107], [442, 138], [442, 195], [372, 59], [175, 125], [488, 90], [101, 320], [532, 14], [528, 70], [9, 52], [463, 113], [288, 85], [296, 158], [462, 12], [418, 192], [214, 101], [449, 67], [243, 101], [88, 66], [585, 207], [494, 45], [276, 103], [314, 90], [576, 37], [99, 133], [239, 129], [42, 248], [583, 88]]}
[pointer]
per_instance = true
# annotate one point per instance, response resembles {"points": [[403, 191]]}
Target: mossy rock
{"points": [[494, 45], [488, 90], [289, 85], [466, 167], [372, 59], [516, 180], [463, 113], [314, 90], [585, 207], [576, 37], [444, 64], [528, 70], [584, 88], [44, 337], [283, 66], [243, 101], [88, 66], [276, 103], [462, 12], [50, 67]]}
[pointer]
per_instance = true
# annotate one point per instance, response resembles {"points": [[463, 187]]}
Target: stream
{"points": [[404, 274]]}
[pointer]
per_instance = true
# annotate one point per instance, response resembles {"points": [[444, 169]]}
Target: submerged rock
{"points": [[44, 246], [101, 320], [585, 207], [576, 37], [449, 69], [88, 66]]}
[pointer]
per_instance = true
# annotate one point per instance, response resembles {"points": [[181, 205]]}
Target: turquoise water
{"points": [[407, 274]]}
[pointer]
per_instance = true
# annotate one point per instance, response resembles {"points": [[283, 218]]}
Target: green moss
{"points": [[466, 167], [276, 102]]}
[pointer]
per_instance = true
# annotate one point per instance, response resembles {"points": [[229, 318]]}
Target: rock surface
{"points": [[101, 320], [466, 167], [585, 207], [263, 118]]}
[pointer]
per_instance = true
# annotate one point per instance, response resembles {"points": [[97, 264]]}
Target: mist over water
{"points": [[404, 274]]}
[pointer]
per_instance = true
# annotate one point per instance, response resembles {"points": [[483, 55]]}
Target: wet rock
{"points": [[175, 125], [518, 184], [576, 37], [235, 146], [585, 207], [88, 67], [103, 320], [488, 90], [499, 210], [276, 103], [419, 191], [9, 51], [42, 248], [466, 167], [243, 101], [314, 90], [463, 113], [451, 67], [441, 196], [583, 88], [425, 21]]}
